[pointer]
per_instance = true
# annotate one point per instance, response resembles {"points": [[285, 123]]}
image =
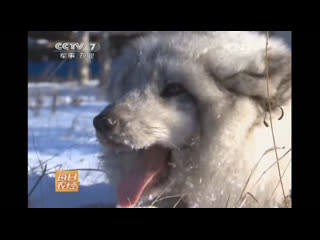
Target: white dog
{"points": [[189, 124]]}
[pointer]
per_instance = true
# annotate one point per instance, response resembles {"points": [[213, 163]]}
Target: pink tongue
{"points": [[150, 163]]}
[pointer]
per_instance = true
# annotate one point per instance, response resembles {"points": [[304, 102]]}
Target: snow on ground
{"points": [[64, 138]]}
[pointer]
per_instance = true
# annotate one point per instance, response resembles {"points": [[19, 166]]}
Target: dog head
{"points": [[164, 98]]}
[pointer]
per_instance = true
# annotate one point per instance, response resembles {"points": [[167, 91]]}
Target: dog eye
{"points": [[172, 90]]}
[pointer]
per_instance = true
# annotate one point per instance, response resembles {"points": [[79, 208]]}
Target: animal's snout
{"points": [[106, 121]]}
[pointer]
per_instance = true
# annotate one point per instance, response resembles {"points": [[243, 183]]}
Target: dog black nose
{"points": [[106, 121]]}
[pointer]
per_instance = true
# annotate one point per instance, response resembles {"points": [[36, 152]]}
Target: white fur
{"points": [[223, 128]]}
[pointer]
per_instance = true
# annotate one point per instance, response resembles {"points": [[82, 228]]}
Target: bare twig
{"points": [[34, 147], [227, 201], [251, 174], [176, 204], [162, 192], [47, 173], [282, 113], [253, 197], [68, 148], [38, 181], [173, 196], [285, 199], [245, 198], [269, 104], [79, 169], [265, 171], [57, 68]]}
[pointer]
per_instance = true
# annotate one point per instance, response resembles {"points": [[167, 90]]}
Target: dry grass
{"points": [[270, 115]]}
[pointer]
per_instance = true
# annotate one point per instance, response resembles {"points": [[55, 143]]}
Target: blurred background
{"points": [[65, 92]]}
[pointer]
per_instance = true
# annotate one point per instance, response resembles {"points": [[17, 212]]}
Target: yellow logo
{"points": [[67, 181]]}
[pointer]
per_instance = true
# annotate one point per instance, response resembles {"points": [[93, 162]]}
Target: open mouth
{"points": [[151, 164], [149, 169]]}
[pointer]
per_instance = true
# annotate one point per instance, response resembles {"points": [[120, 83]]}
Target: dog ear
{"points": [[240, 66]]}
